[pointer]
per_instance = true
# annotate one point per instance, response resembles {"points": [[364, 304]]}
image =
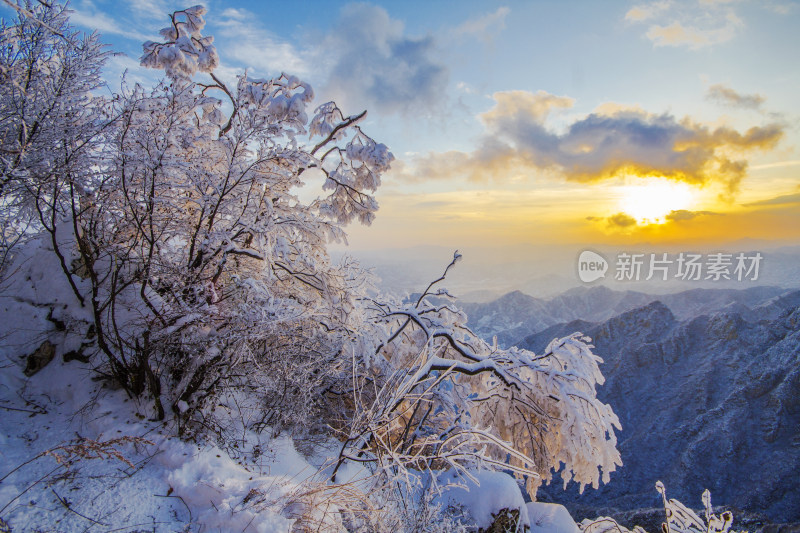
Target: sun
{"points": [[650, 200]]}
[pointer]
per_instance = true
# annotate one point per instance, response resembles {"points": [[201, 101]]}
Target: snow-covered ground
{"points": [[77, 455], [171, 485], [166, 484]]}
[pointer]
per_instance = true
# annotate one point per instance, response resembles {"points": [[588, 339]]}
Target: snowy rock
{"points": [[550, 518], [494, 492], [39, 358], [505, 520]]}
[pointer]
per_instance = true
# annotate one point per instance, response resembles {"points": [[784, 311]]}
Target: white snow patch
{"points": [[495, 491], [550, 518]]}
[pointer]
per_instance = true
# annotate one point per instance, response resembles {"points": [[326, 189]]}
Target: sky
{"points": [[535, 122]]}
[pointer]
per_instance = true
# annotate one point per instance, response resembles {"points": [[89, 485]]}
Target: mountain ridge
{"points": [[711, 401], [516, 315]]}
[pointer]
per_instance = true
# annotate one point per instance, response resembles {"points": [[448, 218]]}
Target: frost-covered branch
{"points": [[456, 259], [679, 519], [543, 406]]}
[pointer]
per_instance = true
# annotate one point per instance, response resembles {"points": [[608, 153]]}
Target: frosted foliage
{"points": [[283, 100], [177, 222], [185, 51], [325, 121], [679, 519], [255, 283], [583, 437], [452, 401], [48, 118]]}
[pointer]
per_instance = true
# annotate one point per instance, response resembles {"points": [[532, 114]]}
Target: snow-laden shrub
{"points": [[678, 519], [437, 397]]}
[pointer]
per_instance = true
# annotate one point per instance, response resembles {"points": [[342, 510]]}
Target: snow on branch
{"points": [[185, 50], [543, 407], [209, 288], [679, 519]]}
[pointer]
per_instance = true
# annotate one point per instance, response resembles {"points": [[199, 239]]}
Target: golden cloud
{"points": [[680, 215], [602, 145], [785, 199], [523, 103], [621, 220]]}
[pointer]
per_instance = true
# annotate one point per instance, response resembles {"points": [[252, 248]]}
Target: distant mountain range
{"points": [[706, 383], [515, 315]]}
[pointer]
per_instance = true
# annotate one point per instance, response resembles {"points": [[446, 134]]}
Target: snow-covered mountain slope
{"points": [[69, 426], [710, 401]]}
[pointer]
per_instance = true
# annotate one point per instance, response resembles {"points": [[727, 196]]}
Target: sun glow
{"points": [[652, 200]]}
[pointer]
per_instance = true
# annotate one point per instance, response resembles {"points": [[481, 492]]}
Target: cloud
{"points": [[616, 222], [621, 220], [727, 96], [779, 164], [781, 8], [536, 106], [375, 64], [682, 214], [247, 42], [621, 142], [624, 221], [88, 17], [688, 25], [778, 200], [465, 87], [152, 9], [677, 34], [645, 11], [483, 27], [365, 61]]}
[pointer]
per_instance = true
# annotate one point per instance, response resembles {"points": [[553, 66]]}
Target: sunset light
{"points": [[654, 199]]}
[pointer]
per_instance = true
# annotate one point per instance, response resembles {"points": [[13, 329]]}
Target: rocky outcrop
{"points": [[505, 520], [38, 359]]}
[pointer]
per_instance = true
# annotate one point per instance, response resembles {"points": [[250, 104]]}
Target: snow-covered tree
{"points": [[450, 400], [47, 120], [217, 266]]}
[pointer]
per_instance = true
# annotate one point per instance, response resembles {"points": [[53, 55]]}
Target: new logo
{"points": [[591, 266]]}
